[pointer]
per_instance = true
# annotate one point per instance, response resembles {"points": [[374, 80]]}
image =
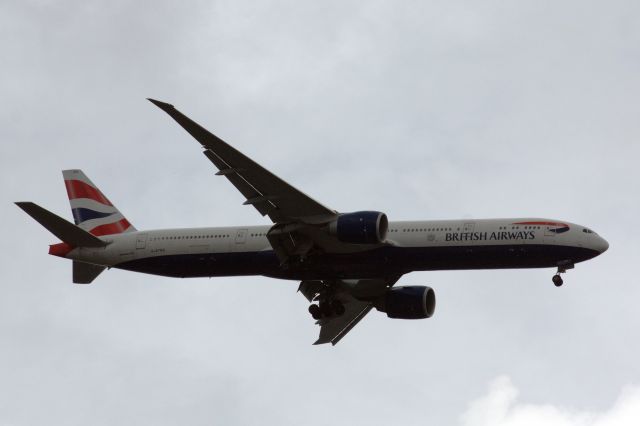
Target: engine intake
{"points": [[366, 227], [410, 302]]}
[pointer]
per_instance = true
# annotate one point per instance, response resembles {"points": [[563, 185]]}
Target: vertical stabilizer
{"points": [[91, 210]]}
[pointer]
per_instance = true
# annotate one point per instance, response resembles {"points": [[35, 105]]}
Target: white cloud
{"points": [[501, 407]]}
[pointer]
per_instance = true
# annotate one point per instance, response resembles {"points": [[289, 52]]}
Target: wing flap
{"points": [[334, 329], [246, 188]]}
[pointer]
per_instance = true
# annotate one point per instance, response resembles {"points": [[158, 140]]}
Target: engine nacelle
{"points": [[366, 227], [410, 302]]}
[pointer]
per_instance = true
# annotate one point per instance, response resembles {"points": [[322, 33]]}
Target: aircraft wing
{"points": [[355, 295], [334, 329], [265, 191]]}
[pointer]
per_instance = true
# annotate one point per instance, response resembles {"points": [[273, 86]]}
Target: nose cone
{"points": [[601, 245]]}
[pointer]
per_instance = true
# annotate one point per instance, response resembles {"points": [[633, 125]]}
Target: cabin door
{"points": [[240, 240], [141, 241]]}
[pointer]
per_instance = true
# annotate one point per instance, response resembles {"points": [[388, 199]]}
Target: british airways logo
{"points": [[514, 234], [489, 236], [555, 227]]}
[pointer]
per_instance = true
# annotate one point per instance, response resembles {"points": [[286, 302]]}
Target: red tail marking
{"points": [[79, 189], [60, 249], [111, 228]]}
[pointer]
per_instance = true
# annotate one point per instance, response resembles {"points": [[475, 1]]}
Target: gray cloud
{"points": [[422, 110]]}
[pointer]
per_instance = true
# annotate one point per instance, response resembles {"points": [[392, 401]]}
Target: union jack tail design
{"points": [[92, 211]]}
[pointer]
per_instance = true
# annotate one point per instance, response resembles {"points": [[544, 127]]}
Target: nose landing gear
{"points": [[562, 268], [557, 280]]}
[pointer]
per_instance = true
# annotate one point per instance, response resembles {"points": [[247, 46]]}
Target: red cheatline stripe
{"points": [[79, 189], [542, 223], [111, 228]]}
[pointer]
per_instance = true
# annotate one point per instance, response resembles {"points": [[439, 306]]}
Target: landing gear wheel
{"points": [[315, 312], [557, 280], [338, 307], [326, 309]]}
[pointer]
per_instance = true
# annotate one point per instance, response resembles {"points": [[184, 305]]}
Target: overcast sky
{"points": [[423, 110]]}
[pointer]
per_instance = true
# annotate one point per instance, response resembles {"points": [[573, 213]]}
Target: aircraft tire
{"points": [[557, 280], [315, 312]]}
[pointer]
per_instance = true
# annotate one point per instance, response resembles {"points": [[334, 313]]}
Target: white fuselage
{"points": [[522, 242]]}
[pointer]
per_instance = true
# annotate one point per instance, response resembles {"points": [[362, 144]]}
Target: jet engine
{"points": [[410, 302], [366, 227]]}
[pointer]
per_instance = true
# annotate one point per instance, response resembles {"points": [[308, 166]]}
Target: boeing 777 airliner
{"points": [[347, 263]]}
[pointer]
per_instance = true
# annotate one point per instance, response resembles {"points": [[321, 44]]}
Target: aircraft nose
{"points": [[602, 245]]}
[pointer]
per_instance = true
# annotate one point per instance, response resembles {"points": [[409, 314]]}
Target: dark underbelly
{"points": [[381, 262]]}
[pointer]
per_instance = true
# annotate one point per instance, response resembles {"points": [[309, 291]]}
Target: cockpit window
{"points": [[587, 231]]}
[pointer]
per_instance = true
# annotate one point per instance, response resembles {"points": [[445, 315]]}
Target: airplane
{"points": [[347, 263]]}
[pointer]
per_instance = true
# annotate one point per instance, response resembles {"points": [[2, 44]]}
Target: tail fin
{"points": [[92, 211]]}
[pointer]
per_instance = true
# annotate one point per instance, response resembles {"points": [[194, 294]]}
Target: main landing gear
{"points": [[315, 312], [326, 298], [326, 309]]}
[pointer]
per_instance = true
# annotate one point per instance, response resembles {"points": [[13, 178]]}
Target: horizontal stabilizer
{"points": [[66, 231], [85, 273]]}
